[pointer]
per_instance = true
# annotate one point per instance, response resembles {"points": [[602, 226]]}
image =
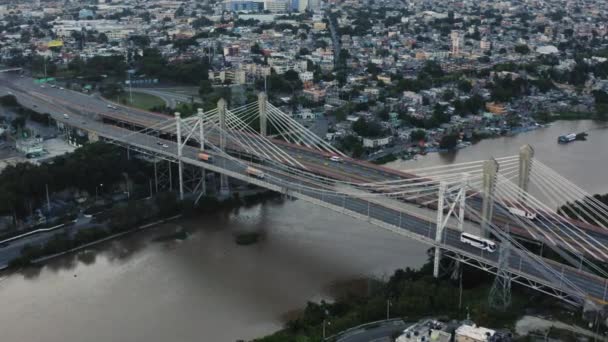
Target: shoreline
{"points": [[108, 238], [40, 260]]}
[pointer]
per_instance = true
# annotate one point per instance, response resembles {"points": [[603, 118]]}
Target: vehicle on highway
{"points": [[522, 213], [254, 172], [479, 242], [66, 116], [35, 105], [60, 88], [42, 86], [336, 159], [205, 157], [165, 146]]}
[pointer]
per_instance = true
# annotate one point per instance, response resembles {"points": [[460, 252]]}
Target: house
{"points": [[473, 333], [373, 143]]}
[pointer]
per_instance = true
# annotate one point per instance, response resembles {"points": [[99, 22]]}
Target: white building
{"points": [[373, 143], [306, 76], [472, 333], [276, 6]]}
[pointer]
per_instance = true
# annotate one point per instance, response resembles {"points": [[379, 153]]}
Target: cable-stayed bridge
{"points": [[507, 205]]}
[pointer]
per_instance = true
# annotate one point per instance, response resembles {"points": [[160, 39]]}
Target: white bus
{"points": [[479, 242]]}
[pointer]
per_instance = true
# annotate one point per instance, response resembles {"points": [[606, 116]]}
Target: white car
{"points": [[165, 146], [335, 159], [66, 116]]}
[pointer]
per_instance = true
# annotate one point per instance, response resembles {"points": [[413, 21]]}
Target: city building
{"points": [[377, 142], [472, 333]]}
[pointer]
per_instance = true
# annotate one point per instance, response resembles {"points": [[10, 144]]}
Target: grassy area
{"points": [[141, 100]]}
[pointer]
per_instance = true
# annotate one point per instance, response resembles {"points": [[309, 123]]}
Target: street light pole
{"points": [[100, 185]]}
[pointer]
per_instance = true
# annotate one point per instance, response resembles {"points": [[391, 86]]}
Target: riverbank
{"points": [[118, 221], [414, 294]]}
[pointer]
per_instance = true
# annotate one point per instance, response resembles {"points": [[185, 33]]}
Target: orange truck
{"points": [[254, 172], [205, 157]]}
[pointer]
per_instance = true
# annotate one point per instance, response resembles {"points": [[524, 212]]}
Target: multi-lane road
{"points": [[83, 112]]}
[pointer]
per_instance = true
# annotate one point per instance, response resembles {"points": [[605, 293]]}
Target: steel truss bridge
{"points": [[513, 200]]}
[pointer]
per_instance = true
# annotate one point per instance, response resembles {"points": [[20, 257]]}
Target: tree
{"points": [[369, 129], [255, 49], [418, 135], [202, 22], [102, 38], [205, 88], [465, 86], [522, 49], [449, 141]]}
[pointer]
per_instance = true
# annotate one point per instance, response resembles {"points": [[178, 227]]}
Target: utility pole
{"points": [[48, 200], [130, 88]]}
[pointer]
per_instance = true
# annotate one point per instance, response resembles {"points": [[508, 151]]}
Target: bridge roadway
{"points": [[403, 222], [56, 101]]}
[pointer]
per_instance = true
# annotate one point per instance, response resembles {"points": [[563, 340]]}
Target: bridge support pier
{"points": [[262, 109], [221, 111], [179, 155], [526, 153], [490, 169], [442, 220], [162, 176], [500, 293]]}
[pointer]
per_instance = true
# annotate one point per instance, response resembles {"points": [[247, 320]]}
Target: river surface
{"points": [[144, 287]]}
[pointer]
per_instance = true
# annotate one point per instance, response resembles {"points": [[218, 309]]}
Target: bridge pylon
{"points": [[490, 170], [526, 153], [180, 166], [262, 109], [201, 138], [221, 111]]}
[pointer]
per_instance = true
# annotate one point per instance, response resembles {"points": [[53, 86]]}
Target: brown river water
{"points": [[208, 288]]}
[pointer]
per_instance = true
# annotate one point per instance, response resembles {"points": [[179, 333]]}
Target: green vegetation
{"points": [[141, 100], [22, 186], [127, 216], [449, 141], [368, 129], [413, 295]]}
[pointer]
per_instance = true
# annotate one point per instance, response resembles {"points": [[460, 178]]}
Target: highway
{"points": [[83, 110]]}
